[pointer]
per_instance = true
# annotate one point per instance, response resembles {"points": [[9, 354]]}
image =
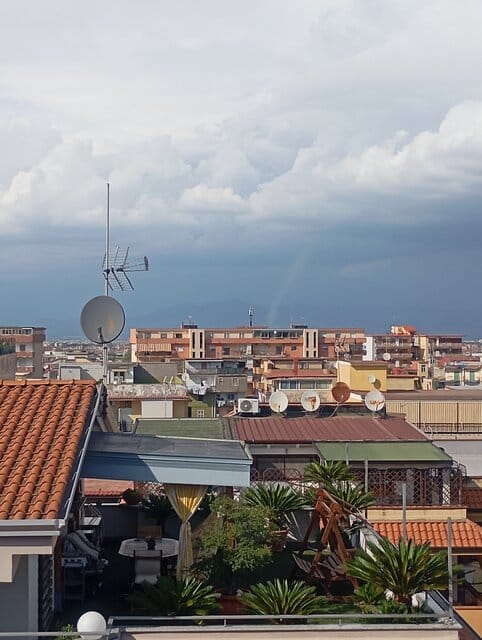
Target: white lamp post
{"points": [[91, 625]]}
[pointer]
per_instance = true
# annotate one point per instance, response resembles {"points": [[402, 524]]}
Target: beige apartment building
{"points": [[29, 343]]}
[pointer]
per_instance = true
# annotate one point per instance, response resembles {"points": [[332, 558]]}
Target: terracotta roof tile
{"points": [[106, 488], [308, 429], [41, 425], [465, 534]]}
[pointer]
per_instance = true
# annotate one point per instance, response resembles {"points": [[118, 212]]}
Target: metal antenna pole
{"points": [[450, 567], [404, 511], [106, 290]]}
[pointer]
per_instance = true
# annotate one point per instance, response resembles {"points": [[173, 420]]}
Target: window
{"points": [[22, 347], [235, 382], [178, 335], [164, 335], [293, 347], [200, 413], [226, 351], [279, 350]]}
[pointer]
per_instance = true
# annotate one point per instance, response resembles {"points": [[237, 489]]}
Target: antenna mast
{"points": [[115, 269], [106, 288]]}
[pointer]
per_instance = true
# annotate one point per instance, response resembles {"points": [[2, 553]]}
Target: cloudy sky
{"points": [[320, 160]]}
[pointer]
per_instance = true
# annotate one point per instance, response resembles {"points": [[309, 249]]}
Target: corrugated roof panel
{"points": [[309, 429], [383, 451]]}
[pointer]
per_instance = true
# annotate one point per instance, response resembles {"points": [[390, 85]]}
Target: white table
{"points": [[168, 546]]}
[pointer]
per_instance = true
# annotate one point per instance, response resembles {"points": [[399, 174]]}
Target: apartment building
{"points": [[29, 343], [403, 345], [245, 343]]}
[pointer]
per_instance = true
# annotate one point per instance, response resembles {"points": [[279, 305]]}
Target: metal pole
{"points": [[366, 476], [450, 566], [106, 289], [404, 511]]}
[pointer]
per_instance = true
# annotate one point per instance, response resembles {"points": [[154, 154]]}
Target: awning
{"points": [[382, 452], [124, 456]]}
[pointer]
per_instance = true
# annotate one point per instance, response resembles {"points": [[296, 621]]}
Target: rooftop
{"points": [[308, 429], [466, 535], [383, 452], [41, 426], [181, 427]]}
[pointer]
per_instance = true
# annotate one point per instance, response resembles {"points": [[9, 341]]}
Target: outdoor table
{"points": [[168, 546]]}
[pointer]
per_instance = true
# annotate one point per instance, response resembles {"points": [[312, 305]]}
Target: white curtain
{"points": [[185, 498]]}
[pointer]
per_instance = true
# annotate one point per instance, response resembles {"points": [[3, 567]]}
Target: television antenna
{"points": [[103, 318], [118, 264]]}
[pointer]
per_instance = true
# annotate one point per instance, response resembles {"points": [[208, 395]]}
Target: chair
{"points": [[147, 566]]}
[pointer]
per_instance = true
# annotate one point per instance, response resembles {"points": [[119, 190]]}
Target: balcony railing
{"points": [[431, 486]]}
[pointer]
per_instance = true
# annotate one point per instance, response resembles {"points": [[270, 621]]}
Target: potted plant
{"points": [[186, 597], [131, 496], [235, 542], [281, 597], [404, 569], [158, 508], [280, 500]]}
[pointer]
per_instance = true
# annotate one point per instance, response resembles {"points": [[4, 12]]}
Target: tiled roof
{"points": [[472, 497], [41, 425], [465, 534], [106, 488], [308, 429]]}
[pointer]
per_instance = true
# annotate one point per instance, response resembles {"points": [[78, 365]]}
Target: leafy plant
{"points": [[368, 597], [352, 495], [157, 507], [328, 472], [280, 597], [131, 496], [238, 539], [279, 499], [67, 628], [404, 569], [188, 596]]}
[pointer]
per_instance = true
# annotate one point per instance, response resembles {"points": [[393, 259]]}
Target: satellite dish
{"points": [[341, 392], [278, 402], [372, 379], [375, 400], [185, 376], [386, 356], [102, 319], [310, 400]]}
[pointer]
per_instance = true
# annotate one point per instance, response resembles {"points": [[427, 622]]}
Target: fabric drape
{"points": [[185, 499]]}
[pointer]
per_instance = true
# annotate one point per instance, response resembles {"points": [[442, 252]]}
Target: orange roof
{"points": [[106, 488], [465, 534], [41, 425]]}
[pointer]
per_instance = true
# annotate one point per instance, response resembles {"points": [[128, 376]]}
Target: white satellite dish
{"points": [[102, 319], [310, 400], [375, 400], [278, 402], [185, 376], [386, 356], [372, 379]]}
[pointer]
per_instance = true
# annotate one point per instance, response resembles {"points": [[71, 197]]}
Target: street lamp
{"points": [[91, 625]]}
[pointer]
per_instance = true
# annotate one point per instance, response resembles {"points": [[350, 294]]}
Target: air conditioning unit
{"points": [[248, 405]]}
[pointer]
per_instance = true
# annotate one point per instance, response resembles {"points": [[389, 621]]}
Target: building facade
{"points": [[29, 343]]}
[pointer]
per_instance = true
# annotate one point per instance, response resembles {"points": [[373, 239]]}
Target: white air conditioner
{"points": [[248, 405]]}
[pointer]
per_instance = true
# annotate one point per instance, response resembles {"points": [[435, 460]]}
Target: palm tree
{"points": [[404, 569], [282, 598], [278, 499], [328, 472], [352, 495], [185, 597]]}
